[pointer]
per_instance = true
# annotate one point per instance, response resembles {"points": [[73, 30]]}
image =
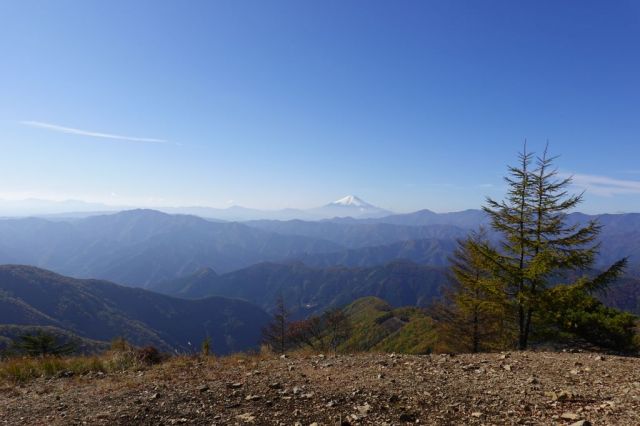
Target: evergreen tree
{"points": [[512, 218], [42, 344], [472, 316], [275, 335], [538, 245], [573, 309], [556, 245]]}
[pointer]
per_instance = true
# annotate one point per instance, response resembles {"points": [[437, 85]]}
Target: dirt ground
{"points": [[509, 388]]}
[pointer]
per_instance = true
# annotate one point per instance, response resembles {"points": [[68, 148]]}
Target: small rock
{"points": [[203, 388], [246, 417], [476, 414], [364, 409], [569, 416], [252, 397]]}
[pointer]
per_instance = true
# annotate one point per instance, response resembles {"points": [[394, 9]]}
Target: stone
{"points": [[569, 416], [246, 417], [252, 397], [364, 409]]}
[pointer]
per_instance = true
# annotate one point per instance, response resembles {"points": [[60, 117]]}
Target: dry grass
{"points": [[21, 369]]}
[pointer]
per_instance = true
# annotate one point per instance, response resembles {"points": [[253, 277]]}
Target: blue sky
{"points": [[409, 104]]}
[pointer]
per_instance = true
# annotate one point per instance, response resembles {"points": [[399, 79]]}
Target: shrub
{"points": [[119, 344], [149, 355], [206, 346], [572, 310], [42, 344]]}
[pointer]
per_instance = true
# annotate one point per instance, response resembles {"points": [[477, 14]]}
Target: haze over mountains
{"points": [[348, 206], [236, 271], [144, 247]]}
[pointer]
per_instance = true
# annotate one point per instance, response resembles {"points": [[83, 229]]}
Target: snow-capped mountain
{"points": [[351, 200], [350, 206]]}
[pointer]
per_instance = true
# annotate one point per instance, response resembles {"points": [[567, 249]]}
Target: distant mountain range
{"points": [[309, 290], [349, 206], [144, 247], [139, 247], [101, 311]]}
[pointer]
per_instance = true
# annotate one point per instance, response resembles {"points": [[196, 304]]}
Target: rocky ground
{"points": [[514, 388]]}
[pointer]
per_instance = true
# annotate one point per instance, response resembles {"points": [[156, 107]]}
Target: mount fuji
{"points": [[350, 206]]}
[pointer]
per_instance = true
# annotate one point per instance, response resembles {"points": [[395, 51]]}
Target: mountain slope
{"points": [[376, 326], [11, 332], [311, 290], [433, 252], [142, 246], [354, 235], [102, 310]]}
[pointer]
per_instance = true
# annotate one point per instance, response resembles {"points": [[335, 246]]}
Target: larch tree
{"points": [[473, 313], [538, 243]]}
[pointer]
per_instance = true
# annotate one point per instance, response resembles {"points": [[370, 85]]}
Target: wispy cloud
{"points": [[74, 131], [606, 186]]}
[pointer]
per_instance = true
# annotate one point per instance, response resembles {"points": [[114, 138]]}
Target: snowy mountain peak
{"points": [[351, 200]]}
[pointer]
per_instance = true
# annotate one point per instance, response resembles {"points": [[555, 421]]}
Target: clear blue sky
{"points": [[407, 104]]}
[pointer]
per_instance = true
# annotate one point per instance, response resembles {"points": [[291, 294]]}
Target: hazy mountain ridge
{"points": [[143, 246], [358, 235], [100, 310], [349, 206], [433, 252], [619, 237], [309, 290]]}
